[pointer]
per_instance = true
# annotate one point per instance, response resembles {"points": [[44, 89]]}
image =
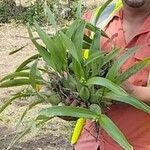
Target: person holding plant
{"points": [[89, 72], [129, 27]]}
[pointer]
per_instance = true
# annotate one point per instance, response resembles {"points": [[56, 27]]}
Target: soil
{"points": [[56, 134]]}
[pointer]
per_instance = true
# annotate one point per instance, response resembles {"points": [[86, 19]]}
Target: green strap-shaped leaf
{"points": [[78, 70], [47, 40], [79, 9], [133, 70], [61, 51], [96, 42], [18, 82], [128, 99], [68, 111], [94, 29], [77, 38], [93, 57], [100, 59], [8, 102], [110, 56], [86, 45], [87, 39], [69, 46], [52, 47], [106, 83], [33, 104], [42, 51], [15, 75], [114, 70], [112, 130], [72, 28], [76, 33], [29, 60], [51, 17], [32, 76]]}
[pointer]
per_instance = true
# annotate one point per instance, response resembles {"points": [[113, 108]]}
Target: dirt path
{"points": [[53, 136]]}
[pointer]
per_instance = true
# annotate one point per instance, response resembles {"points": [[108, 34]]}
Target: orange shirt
{"points": [[134, 123]]}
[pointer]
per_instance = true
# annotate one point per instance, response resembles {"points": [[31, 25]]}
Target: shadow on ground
{"points": [[46, 141]]}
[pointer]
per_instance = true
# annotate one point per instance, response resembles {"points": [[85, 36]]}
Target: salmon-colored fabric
{"points": [[135, 124]]}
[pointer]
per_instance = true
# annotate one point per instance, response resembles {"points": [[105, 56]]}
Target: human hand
{"points": [[128, 87]]}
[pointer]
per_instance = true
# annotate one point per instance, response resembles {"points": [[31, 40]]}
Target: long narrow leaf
{"points": [[52, 47], [79, 9], [133, 70], [93, 57], [110, 56], [72, 28], [18, 82], [128, 100], [61, 51], [68, 111], [42, 51], [8, 102], [33, 104], [106, 83], [14, 75], [116, 66], [51, 17], [70, 46], [78, 69], [77, 38], [32, 76], [114, 132], [29, 60], [95, 43], [94, 29]]}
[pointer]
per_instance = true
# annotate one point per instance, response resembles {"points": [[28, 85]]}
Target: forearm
{"points": [[142, 93]]}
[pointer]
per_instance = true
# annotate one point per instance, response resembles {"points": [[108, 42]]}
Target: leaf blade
{"points": [[128, 100], [106, 83], [114, 132], [116, 66], [68, 111], [133, 70]]}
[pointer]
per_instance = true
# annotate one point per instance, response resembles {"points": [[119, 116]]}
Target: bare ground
{"points": [[55, 135]]}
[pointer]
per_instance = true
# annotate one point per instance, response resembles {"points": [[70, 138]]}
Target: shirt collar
{"points": [[145, 27]]}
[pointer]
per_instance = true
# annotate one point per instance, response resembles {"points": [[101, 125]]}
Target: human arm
{"points": [[140, 92]]}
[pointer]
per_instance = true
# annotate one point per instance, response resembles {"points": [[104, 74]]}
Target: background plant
{"points": [[7, 10], [64, 10]]}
